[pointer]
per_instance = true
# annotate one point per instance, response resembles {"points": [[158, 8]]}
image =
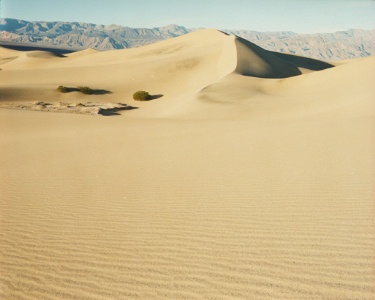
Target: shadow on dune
{"points": [[115, 111], [44, 54], [304, 62], [91, 92], [26, 47], [255, 61], [258, 62], [100, 92], [154, 97]]}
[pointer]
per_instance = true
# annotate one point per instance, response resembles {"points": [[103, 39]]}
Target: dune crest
{"points": [[85, 52]]}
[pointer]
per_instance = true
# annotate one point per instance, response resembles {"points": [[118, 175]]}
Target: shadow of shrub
{"points": [[83, 89]]}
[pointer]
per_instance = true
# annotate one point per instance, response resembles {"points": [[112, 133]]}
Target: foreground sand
{"points": [[230, 186]]}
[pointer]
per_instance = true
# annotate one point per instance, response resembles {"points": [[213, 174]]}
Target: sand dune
{"points": [[83, 53], [176, 67], [7, 55], [250, 175]]}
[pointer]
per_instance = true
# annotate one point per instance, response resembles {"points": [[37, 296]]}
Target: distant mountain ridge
{"points": [[79, 35], [340, 45]]}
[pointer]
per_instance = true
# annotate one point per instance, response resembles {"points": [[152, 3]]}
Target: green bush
{"points": [[85, 90], [141, 96], [63, 89]]}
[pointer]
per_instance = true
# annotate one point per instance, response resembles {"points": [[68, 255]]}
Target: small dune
{"points": [[7, 55], [85, 52], [41, 54]]}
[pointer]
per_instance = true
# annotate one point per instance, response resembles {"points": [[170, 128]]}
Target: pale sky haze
{"points": [[301, 16]]}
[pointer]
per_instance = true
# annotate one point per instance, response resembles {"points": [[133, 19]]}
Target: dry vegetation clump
{"points": [[141, 96], [85, 90], [63, 89]]}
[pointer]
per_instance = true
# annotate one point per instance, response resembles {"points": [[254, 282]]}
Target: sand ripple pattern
{"points": [[172, 215]]}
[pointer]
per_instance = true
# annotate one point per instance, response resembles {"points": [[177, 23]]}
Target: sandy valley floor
{"points": [[239, 180]]}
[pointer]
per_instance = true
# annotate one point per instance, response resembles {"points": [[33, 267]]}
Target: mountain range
{"points": [[340, 45]]}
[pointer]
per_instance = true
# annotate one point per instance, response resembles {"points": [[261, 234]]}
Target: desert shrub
{"points": [[141, 96], [63, 89], [85, 90]]}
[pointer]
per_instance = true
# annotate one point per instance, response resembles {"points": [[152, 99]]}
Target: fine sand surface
{"points": [[238, 180]]}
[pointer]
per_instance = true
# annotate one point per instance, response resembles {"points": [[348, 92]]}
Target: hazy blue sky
{"points": [[303, 16]]}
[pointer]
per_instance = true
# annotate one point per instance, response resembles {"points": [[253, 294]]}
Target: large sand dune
{"points": [[249, 176]]}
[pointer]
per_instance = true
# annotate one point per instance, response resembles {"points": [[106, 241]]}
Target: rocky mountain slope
{"points": [[83, 35], [348, 44], [75, 35]]}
